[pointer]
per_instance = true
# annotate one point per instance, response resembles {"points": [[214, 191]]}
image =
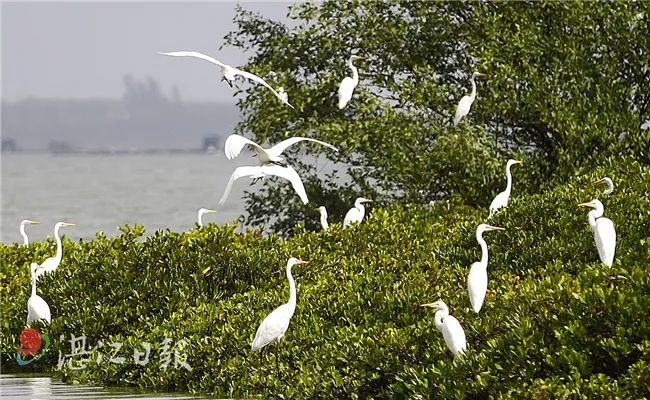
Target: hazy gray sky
{"points": [[83, 49]]}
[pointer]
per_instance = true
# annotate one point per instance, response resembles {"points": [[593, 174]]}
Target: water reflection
{"points": [[23, 386]]}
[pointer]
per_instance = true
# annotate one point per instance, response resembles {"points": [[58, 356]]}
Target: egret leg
{"points": [[277, 370]]}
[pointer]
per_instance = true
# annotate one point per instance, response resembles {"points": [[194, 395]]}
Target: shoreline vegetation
{"points": [[556, 322]]}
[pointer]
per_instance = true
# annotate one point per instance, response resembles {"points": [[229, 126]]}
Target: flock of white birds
{"points": [[275, 325]]}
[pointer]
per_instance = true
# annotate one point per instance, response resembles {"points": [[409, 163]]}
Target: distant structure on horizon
{"points": [[144, 119]]}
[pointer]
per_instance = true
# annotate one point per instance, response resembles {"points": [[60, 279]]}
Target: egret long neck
{"points": [[355, 72], [200, 219], [33, 282], [473, 95], [59, 246], [484, 248], [292, 289], [593, 215], [359, 205], [24, 235], [323, 220], [438, 319], [508, 180]]}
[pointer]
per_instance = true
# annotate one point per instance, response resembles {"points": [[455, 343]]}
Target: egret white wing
{"points": [[605, 236], [238, 173], [234, 144], [454, 335], [272, 328], [352, 216], [463, 108], [345, 91], [477, 286], [280, 147], [261, 81], [37, 309], [290, 174], [194, 54]]}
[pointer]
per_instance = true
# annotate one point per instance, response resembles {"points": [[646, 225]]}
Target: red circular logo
{"points": [[30, 340]]}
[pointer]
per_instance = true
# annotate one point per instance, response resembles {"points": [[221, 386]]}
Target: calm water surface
{"points": [[24, 386], [102, 192]]}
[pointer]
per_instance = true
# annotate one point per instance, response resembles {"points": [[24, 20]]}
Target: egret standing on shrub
{"points": [[202, 211], [347, 86], [356, 213], [229, 72], [274, 326], [22, 229], [477, 279], [604, 232], [450, 327], [466, 102], [323, 217], [37, 308], [610, 185], [501, 199], [52, 263], [235, 143]]}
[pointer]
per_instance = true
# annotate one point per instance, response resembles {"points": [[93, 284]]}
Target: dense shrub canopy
{"points": [[568, 86], [556, 321]]}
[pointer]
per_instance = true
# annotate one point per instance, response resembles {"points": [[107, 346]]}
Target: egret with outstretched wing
{"points": [[235, 143], [256, 172]]}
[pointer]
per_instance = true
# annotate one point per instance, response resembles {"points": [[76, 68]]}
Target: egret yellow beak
{"points": [[518, 162], [584, 205], [303, 262], [209, 211], [67, 224], [33, 222], [600, 181]]}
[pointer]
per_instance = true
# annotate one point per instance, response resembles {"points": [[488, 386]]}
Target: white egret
{"points": [[604, 232], [274, 326], [199, 216], [323, 217], [52, 263], [477, 279], [37, 308], [22, 229], [229, 72], [262, 171], [501, 199], [348, 84], [450, 327], [466, 102], [235, 143], [356, 213], [607, 181]]}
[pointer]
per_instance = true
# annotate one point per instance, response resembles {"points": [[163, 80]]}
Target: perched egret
{"points": [[477, 279], [52, 263], [22, 230], [235, 143], [607, 181], [37, 308], [501, 199], [450, 327], [604, 232], [356, 213], [323, 217], [349, 84], [274, 326], [257, 172], [229, 72], [466, 102], [199, 216]]}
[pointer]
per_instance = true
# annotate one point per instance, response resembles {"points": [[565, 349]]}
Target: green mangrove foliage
{"points": [[567, 87], [556, 322]]}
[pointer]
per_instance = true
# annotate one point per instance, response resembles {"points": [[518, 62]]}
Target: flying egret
{"points": [[22, 230], [37, 308], [235, 143], [356, 213], [450, 327], [202, 211], [274, 326], [229, 72], [477, 279], [607, 181], [262, 171], [349, 84], [466, 102], [323, 217], [604, 232], [501, 199], [52, 263]]}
